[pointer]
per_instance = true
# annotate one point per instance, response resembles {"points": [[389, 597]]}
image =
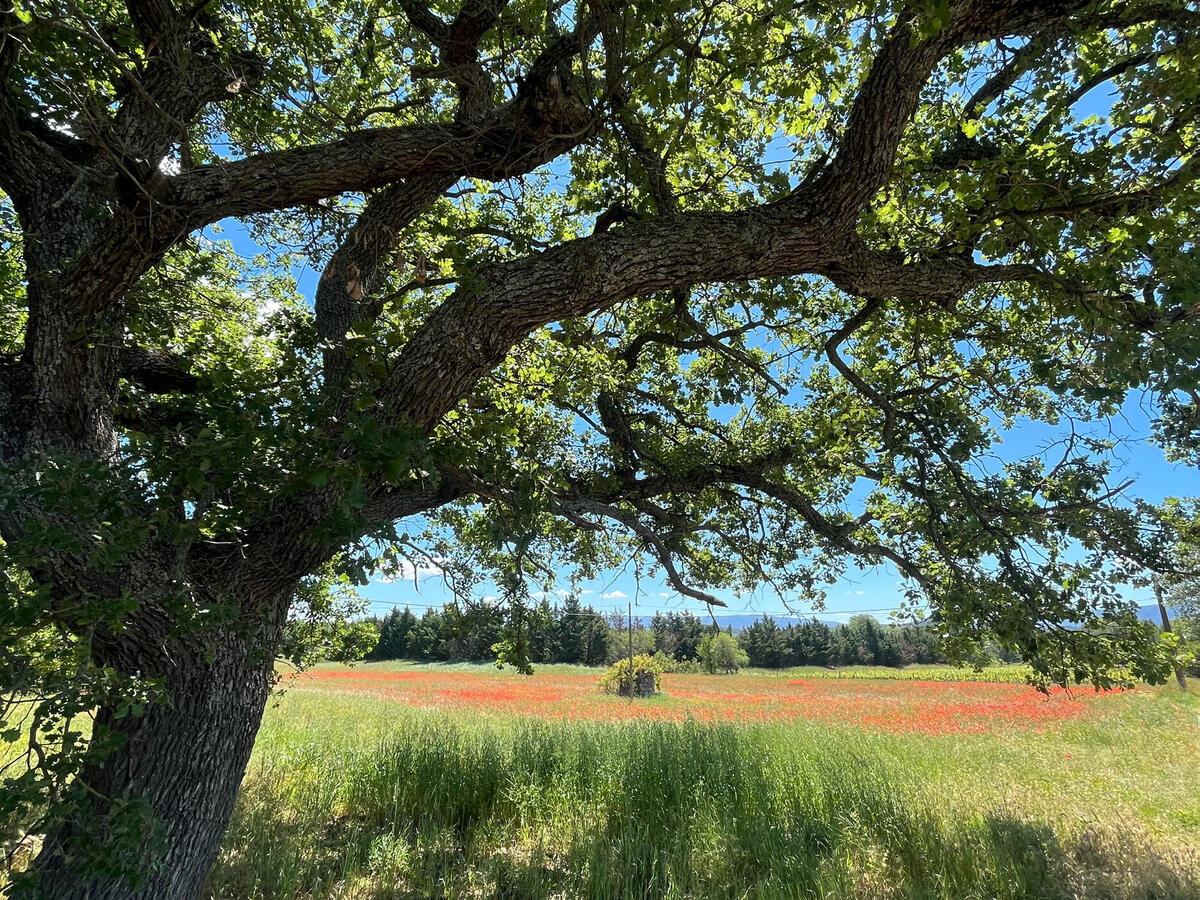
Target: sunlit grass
{"points": [[367, 798]]}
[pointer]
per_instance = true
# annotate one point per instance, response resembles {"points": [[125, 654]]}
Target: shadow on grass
{"points": [[456, 807], [881, 851]]}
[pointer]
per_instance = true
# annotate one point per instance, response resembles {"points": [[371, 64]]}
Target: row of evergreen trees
{"points": [[861, 641], [573, 633], [570, 633]]}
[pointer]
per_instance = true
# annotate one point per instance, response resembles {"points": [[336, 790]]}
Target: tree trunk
{"points": [[1166, 627], [186, 758]]}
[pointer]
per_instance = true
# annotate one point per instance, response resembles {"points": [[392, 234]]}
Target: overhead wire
{"points": [[786, 614]]}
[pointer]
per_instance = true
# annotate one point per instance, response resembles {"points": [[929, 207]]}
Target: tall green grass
{"points": [[412, 803]]}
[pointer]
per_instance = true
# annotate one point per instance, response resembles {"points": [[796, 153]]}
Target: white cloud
{"points": [[587, 592], [860, 593], [562, 592], [613, 595], [538, 595], [268, 308], [407, 570]]}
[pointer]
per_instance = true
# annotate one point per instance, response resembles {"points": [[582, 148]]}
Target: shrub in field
{"points": [[720, 653], [670, 665], [618, 643], [645, 680]]}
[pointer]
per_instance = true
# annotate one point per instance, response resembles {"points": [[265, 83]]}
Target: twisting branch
{"points": [[1028, 56], [656, 545], [458, 43], [349, 289], [840, 536], [184, 71], [749, 474]]}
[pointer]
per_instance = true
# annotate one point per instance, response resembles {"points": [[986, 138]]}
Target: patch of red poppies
{"points": [[925, 707]]}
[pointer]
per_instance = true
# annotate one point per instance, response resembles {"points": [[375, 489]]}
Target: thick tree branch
{"points": [[449, 352], [157, 371], [276, 548], [364, 161], [583, 276], [546, 119], [458, 45], [349, 290], [543, 121], [425, 21], [1022, 61], [883, 107], [941, 279], [891, 92]]}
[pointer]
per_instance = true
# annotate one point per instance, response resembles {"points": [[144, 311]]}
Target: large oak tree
{"points": [[748, 289]]}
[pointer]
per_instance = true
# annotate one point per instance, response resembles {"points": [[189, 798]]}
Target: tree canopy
{"points": [[748, 292]]}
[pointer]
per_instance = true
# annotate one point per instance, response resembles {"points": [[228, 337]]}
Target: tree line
{"points": [[574, 633]]}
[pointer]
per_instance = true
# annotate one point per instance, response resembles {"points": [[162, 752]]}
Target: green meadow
{"points": [[364, 797]]}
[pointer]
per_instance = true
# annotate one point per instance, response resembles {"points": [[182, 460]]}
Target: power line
{"points": [[390, 605]]}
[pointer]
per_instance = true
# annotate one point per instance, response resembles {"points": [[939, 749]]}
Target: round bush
{"points": [[646, 677]]}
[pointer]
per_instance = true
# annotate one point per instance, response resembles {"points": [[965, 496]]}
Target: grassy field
{"points": [[396, 781]]}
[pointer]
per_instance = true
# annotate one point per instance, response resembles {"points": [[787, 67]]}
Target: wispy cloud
{"points": [[836, 617], [407, 570]]}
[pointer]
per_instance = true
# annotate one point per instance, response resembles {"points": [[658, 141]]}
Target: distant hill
{"points": [[737, 622]]}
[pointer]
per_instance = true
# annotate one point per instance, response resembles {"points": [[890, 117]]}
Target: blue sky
{"points": [[877, 590]]}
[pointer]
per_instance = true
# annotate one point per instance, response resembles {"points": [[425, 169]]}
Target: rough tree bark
{"points": [[1180, 675], [185, 756]]}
